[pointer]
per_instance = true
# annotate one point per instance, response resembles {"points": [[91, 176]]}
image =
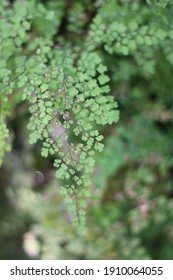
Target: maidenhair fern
{"points": [[66, 85], [159, 3], [67, 102], [4, 135]]}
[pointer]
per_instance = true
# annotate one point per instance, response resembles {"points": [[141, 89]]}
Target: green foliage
{"points": [[159, 3], [67, 92], [66, 62], [4, 134]]}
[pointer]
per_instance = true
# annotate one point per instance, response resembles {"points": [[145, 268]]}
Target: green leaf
{"points": [[99, 146], [43, 87], [103, 79], [44, 152]]}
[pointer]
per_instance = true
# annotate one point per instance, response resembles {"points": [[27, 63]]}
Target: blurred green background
{"points": [[130, 212]]}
